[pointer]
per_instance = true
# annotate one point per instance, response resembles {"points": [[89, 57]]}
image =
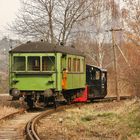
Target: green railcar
{"points": [[38, 71]]}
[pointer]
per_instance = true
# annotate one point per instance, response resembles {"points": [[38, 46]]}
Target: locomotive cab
{"points": [[96, 79]]}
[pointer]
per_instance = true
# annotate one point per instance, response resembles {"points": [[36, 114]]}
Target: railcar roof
{"points": [[97, 67], [44, 47]]}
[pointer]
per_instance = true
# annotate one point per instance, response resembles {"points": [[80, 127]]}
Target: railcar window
{"points": [[48, 63], [82, 65], [94, 74], [103, 77], [74, 64], [78, 65], [69, 64], [97, 75], [19, 63], [33, 63]]}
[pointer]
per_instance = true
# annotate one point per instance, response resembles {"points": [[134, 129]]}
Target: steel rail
{"points": [[30, 129], [12, 115], [110, 99]]}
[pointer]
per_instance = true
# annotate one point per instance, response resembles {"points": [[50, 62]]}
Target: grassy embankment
{"points": [[109, 121]]}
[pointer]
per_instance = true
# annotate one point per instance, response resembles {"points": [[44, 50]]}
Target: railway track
{"points": [[110, 99], [12, 126], [30, 129], [5, 130], [12, 115], [31, 126]]}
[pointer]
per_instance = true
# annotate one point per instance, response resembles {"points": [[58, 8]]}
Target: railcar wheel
{"points": [[30, 102], [50, 100], [68, 98], [15, 98]]}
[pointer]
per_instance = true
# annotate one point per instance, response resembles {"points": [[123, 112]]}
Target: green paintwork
{"points": [[37, 81], [34, 81], [76, 79], [59, 74], [40, 81]]}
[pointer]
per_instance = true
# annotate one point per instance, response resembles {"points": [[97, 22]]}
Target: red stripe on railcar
{"points": [[84, 97]]}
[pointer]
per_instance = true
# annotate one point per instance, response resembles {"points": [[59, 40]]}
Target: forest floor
{"points": [[97, 121]]}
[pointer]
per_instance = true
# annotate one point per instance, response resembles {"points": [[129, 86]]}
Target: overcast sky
{"points": [[8, 10]]}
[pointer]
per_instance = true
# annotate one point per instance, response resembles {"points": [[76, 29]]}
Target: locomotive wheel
{"points": [[92, 100]]}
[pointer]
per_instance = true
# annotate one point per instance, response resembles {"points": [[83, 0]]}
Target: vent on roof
{"points": [[61, 43], [72, 46], [28, 41]]}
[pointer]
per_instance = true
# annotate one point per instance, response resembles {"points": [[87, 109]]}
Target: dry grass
{"points": [[6, 106], [5, 110], [109, 121]]}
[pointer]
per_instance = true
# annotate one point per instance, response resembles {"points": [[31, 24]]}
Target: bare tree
{"points": [[50, 19], [99, 23], [131, 20], [93, 32], [131, 25]]}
